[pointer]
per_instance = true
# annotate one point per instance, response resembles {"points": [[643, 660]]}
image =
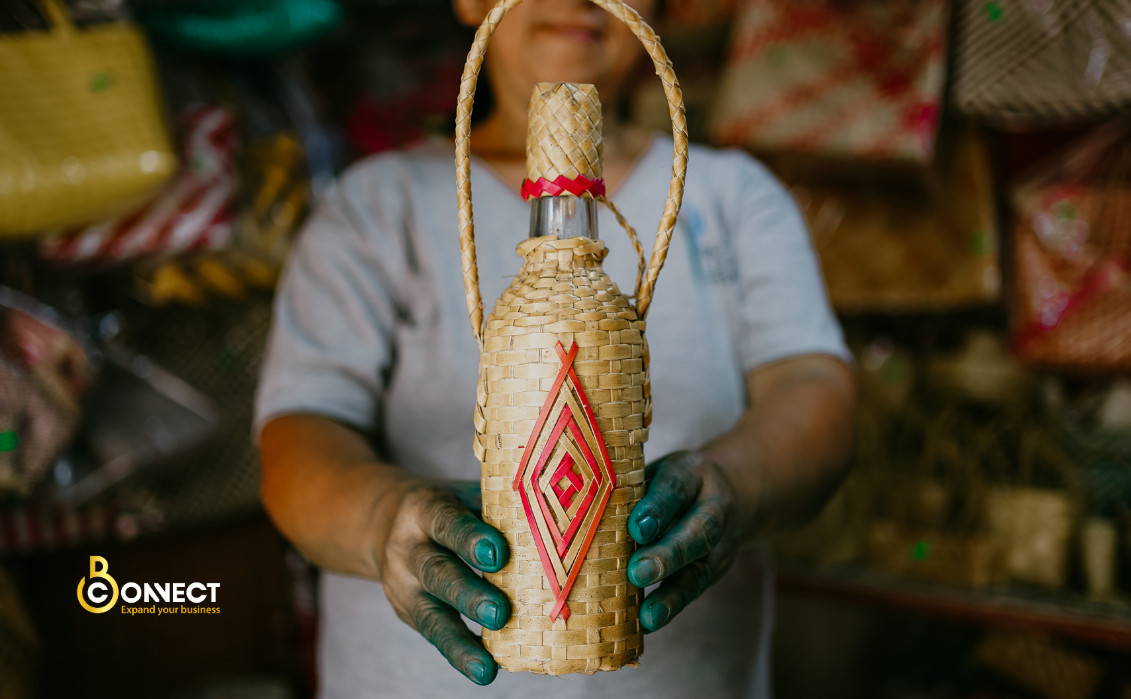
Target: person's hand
{"points": [[429, 586], [687, 529]]}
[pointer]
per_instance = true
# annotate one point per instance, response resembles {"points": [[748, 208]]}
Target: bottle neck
{"points": [[565, 216]]}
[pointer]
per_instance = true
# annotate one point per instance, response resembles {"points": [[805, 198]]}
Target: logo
{"points": [[98, 589], [98, 593]]}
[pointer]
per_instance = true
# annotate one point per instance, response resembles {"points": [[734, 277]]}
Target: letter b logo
{"points": [[98, 589]]}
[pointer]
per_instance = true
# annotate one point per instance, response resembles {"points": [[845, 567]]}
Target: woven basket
{"points": [[82, 134], [1032, 523], [911, 252], [1023, 64], [41, 385], [562, 404], [1072, 255], [844, 80]]}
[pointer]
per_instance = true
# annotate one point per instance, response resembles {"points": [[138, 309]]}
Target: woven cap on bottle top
{"points": [[563, 142]]}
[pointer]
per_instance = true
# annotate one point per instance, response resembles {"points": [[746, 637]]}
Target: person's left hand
{"points": [[688, 531]]}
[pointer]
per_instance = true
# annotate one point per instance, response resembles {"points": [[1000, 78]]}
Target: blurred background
{"points": [[965, 169]]}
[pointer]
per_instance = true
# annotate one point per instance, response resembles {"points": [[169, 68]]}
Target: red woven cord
{"points": [[563, 185]]}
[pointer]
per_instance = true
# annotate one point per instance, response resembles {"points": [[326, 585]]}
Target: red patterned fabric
{"points": [[193, 212]]}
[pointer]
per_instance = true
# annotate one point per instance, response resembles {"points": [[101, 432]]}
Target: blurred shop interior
{"points": [[961, 165]]}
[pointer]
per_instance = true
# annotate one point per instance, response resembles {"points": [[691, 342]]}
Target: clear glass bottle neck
{"points": [[566, 216]]}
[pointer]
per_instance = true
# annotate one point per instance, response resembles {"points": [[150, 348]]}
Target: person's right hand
{"points": [[429, 586]]}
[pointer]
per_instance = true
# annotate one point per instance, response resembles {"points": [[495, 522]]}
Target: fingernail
{"points": [[645, 571], [488, 614], [478, 671], [648, 526], [485, 553], [656, 615]]}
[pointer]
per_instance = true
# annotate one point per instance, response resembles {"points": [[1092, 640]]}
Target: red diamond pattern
{"points": [[565, 479], [572, 480]]}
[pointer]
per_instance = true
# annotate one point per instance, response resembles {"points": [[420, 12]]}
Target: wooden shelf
{"points": [[1104, 623]]}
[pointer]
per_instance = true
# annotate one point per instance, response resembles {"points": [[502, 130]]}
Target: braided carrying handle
{"points": [[664, 70]]}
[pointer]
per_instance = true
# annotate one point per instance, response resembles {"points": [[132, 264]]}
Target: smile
{"points": [[574, 32]]}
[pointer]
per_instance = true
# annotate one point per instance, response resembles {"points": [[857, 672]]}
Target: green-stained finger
{"points": [[678, 591], [443, 628], [448, 579], [454, 527], [693, 537], [671, 491]]}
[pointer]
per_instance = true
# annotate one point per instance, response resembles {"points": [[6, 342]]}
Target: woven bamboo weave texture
{"points": [[1091, 333], [564, 132], [1027, 65], [563, 295], [666, 73], [564, 138], [1092, 336]]}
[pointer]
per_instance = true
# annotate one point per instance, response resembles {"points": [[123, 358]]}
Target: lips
{"points": [[583, 32]]}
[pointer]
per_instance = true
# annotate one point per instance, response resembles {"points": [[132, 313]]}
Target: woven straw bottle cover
{"points": [[563, 400]]}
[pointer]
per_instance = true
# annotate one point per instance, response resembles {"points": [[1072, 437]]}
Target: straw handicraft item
{"points": [[1033, 523], [82, 129], [563, 402], [1072, 254]]}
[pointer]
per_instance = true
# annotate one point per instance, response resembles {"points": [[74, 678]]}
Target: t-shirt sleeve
{"points": [[330, 344], [782, 307]]}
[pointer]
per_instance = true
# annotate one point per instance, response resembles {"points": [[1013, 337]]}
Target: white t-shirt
{"points": [[371, 329]]}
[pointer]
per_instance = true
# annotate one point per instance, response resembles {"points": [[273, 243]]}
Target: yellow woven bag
{"points": [[82, 133]]}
